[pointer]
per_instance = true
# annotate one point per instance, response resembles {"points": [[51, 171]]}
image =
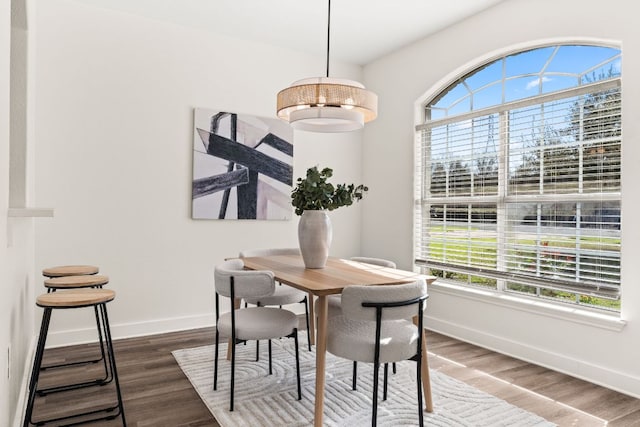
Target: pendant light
{"points": [[327, 104]]}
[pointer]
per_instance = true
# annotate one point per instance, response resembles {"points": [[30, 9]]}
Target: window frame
{"points": [[502, 198]]}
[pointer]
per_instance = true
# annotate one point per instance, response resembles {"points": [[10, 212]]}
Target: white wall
{"points": [[113, 128], [400, 79], [16, 234]]}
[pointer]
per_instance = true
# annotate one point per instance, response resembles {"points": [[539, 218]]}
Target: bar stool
{"points": [[79, 282], [70, 299], [75, 282], [70, 270]]}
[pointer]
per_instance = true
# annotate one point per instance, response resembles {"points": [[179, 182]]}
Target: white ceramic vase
{"points": [[314, 236]]}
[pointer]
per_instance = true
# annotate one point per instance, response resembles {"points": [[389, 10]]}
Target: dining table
{"points": [[331, 280]]}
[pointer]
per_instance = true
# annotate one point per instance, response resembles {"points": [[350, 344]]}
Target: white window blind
{"points": [[525, 196]]}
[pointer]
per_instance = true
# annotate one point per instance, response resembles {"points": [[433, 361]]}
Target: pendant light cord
{"points": [[328, 34]]}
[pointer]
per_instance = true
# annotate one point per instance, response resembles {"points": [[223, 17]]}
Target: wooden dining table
{"points": [[330, 280]]}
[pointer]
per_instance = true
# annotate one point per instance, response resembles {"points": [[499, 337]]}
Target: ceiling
{"points": [[361, 30]]}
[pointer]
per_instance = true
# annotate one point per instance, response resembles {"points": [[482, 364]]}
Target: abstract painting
{"points": [[242, 166]]}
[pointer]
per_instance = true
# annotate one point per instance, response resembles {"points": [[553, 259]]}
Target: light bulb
{"points": [[348, 104]]}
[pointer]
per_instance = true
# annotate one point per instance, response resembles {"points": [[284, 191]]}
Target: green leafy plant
{"points": [[314, 192]]}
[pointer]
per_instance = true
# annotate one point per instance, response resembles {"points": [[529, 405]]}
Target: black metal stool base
{"points": [[84, 417], [106, 379], [108, 373]]}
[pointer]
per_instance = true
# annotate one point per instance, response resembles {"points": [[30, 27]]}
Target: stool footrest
{"points": [[80, 415], [66, 365], [57, 389]]}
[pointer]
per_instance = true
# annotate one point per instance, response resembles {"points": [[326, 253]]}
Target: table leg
{"points": [[312, 319], [236, 305], [321, 352], [426, 379]]}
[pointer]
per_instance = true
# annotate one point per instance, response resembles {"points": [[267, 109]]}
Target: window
{"points": [[518, 177]]}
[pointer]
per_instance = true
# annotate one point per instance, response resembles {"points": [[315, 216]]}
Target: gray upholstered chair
{"points": [[334, 308], [374, 261], [283, 295], [376, 327], [333, 301], [253, 323]]}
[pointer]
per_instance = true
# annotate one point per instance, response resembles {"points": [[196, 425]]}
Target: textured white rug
{"points": [[270, 400]]}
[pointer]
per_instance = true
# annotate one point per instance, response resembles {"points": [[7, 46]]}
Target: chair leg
{"points": [[394, 368], [295, 339], [384, 385], [419, 366], [215, 364], [233, 373], [306, 315], [355, 375], [376, 373], [270, 367], [419, 385], [257, 341], [245, 306]]}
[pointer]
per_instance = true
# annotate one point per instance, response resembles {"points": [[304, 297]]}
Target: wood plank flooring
{"points": [[156, 392]]}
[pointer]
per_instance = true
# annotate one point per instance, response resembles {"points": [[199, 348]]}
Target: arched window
{"points": [[518, 176]]}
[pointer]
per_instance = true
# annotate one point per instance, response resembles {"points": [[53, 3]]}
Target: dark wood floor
{"points": [[156, 393]]}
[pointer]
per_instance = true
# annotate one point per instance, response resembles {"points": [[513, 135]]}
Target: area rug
{"points": [[270, 400]]}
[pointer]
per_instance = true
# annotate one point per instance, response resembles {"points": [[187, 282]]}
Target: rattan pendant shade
{"points": [[326, 104]]}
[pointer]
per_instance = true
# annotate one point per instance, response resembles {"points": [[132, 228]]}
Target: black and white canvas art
{"points": [[242, 166]]}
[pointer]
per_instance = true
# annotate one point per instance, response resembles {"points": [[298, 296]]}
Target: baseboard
{"points": [[603, 376], [130, 330]]}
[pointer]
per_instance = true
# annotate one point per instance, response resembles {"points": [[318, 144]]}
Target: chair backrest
{"points": [[375, 261], [269, 252], [354, 296], [247, 283]]}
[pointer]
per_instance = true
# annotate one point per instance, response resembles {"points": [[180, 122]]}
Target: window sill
{"points": [[568, 313]]}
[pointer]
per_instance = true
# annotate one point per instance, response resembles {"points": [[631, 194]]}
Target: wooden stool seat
{"points": [[74, 282], [75, 298], [70, 270]]}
